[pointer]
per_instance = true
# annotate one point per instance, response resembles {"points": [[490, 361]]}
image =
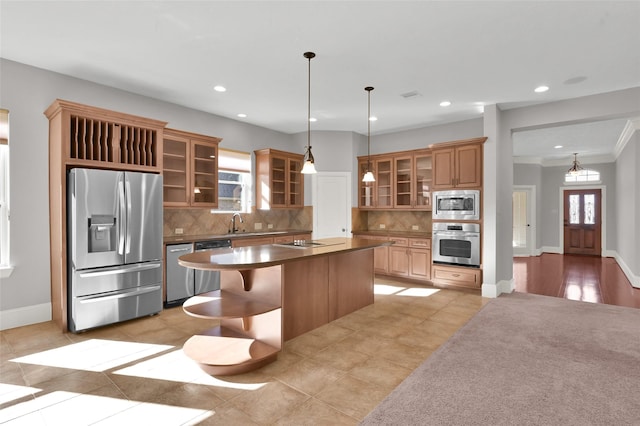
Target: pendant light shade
{"points": [[368, 176], [309, 166], [575, 167]]}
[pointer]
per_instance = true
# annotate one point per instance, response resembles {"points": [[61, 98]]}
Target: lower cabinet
{"points": [[407, 257], [257, 241], [457, 276]]}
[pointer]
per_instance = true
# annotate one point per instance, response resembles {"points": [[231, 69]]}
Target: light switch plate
{"points": [[415, 227], [179, 231], [382, 226], [270, 226], [258, 226]]}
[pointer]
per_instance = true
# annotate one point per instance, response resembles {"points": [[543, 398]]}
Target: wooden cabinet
{"points": [[406, 257], [457, 164], [279, 183], [410, 257], [412, 180], [458, 276], [190, 169], [403, 181], [378, 194]]}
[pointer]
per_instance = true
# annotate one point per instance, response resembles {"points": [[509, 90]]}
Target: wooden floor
{"points": [[585, 278]]}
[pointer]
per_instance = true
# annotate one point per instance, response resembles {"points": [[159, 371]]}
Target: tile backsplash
{"points": [[393, 220], [203, 222]]}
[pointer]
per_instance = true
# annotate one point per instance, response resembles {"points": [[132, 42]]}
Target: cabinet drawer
{"points": [[251, 242], [420, 242], [465, 277], [283, 239], [397, 241]]}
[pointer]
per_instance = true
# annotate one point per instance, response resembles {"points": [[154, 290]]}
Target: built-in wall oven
{"points": [[458, 204], [456, 243]]}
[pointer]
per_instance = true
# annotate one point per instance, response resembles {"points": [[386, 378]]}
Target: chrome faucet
{"points": [[234, 229]]}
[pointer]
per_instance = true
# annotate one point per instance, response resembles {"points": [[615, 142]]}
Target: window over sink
{"points": [[234, 182]]}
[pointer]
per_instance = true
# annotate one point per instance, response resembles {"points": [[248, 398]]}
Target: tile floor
{"points": [[135, 372]]}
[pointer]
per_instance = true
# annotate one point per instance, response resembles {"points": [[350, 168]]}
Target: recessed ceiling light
{"points": [[373, 118], [558, 146], [541, 89], [313, 120], [241, 115], [220, 89], [445, 103]]}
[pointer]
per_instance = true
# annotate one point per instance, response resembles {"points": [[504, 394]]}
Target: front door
{"points": [[582, 222]]}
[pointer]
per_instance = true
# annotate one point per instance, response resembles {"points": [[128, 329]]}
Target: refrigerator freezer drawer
{"points": [[97, 310], [103, 280]]}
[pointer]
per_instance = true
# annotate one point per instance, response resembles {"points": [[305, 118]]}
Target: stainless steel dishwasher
{"points": [[182, 282]]}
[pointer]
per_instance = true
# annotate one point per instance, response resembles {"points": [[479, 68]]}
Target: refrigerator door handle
{"points": [[121, 236], [120, 270], [119, 295], [128, 195]]}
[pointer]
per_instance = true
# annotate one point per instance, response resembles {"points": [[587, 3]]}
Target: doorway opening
{"points": [[524, 220]]}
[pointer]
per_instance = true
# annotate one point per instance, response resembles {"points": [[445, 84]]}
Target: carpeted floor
{"points": [[527, 360]]}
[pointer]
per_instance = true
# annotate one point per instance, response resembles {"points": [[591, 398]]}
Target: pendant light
{"points": [[309, 167], [368, 177], [575, 167]]}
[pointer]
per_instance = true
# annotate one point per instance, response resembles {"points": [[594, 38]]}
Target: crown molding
{"points": [[632, 125], [554, 162]]}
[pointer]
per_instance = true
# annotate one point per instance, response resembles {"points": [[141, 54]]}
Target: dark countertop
{"points": [[178, 239], [242, 258], [403, 234]]}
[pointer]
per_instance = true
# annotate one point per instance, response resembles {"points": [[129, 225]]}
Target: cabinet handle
{"points": [[455, 275]]}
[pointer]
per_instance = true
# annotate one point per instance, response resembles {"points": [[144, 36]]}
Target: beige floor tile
{"points": [[270, 402], [189, 395], [449, 317], [310, 376], [380, 372], [316, 413], [352, 396], [227, 415], [341, 356], [406, 356]]}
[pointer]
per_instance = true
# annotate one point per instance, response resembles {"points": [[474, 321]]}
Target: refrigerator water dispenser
{"points": [[102, 233]]}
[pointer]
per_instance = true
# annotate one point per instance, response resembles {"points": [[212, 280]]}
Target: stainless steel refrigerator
{"points": [[114, 246]]}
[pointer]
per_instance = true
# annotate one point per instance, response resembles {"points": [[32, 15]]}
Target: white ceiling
{"points": [[470, 53]]}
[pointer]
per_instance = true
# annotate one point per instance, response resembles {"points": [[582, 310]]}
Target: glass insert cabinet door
{"points": [[582, 222], [204, 174]]}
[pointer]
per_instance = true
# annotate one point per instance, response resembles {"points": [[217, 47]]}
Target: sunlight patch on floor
{"points": [[418, 292], [10, 393], [385, 290], [93, 355], [70, 408], [175, 366]]}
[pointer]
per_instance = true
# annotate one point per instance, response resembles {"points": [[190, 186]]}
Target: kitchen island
{"points": [[272, 293]]}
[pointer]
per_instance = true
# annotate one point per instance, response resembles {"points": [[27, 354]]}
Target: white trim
{"points": [[27, 315], [548, 249], [633, 279], [555, 162], [631, 126], [603, 214], [495, 290], [5, 271]]}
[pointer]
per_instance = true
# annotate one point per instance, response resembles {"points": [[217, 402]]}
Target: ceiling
{"points": [[470, 53]]}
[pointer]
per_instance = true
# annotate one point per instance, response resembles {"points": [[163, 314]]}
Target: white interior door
{"points": [[523, 221], [331, 198]]}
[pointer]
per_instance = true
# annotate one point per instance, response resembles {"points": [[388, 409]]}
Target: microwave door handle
{"points": [[121, 237]]}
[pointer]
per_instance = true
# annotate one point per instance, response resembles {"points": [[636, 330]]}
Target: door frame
{"points": [[315, 202], [603, 215], [531, 212]]}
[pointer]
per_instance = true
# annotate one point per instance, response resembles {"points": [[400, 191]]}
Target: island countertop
{"points": [[273, 254]]}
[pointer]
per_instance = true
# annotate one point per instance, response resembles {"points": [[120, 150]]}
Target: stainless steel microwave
{"points": [[456, 205]]}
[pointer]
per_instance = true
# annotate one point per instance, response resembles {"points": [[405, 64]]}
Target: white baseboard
{"points": [[547, 249], [495, 290], [633, 279], [27, 315]]}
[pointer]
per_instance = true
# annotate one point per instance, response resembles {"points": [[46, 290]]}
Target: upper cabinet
{"points": [[190, 169], [403, 181], [279, 183], [85, 136], [458, 164]]}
